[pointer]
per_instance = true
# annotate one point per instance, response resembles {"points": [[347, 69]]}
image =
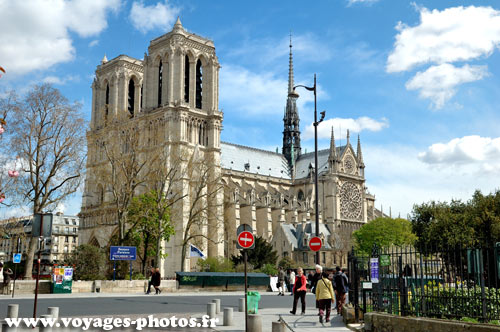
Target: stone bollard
{"points": [[53, 311], [42, 328], [211, 310], [241, 305], [278, 327], [217, 305], [228, 316], [254, 323], [12, 310]]}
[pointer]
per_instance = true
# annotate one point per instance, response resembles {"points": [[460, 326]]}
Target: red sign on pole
{"points": [[315, 243], [245, 239]]}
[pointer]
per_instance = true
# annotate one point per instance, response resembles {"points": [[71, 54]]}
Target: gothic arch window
{"points": [[300, 195], [160, 81], [186, 79], [106, 106], [131, 96], [200, 134], [199, 85], [100, 195], [140, 104]]}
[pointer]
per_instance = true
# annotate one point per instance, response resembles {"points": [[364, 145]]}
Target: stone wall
{"points": [[378, 322], [101, 286]]}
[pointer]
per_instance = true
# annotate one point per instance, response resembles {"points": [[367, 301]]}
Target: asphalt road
{"points": [[140, 305]]}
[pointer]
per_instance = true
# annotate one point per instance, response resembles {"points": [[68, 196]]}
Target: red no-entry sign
{"points": [[315, 243], [245, 239]]}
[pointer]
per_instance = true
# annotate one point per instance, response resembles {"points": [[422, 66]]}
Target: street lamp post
{"points": [[316, 123]]}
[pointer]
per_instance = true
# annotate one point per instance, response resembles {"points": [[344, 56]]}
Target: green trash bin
{"points": [[62, 279], [253, 302]]}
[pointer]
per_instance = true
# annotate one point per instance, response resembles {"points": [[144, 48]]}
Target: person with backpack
{"points": [[324, 296], [346, 283], [339, 289]]}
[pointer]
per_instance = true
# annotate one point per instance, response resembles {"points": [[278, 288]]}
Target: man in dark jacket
{"points": [[150, 282], [339, 282], [156, 281]]}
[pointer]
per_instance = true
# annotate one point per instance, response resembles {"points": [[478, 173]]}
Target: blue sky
{"points": [[419, 81]]}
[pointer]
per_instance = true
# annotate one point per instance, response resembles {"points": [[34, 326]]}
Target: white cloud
{"points": [[454, 34], [160, 16], [266, 50], [254, 93], [477, 150], [93, 43], [43, 38], [438, 83], [358, 125], [60, 81], [398, 177], [352, 2]]}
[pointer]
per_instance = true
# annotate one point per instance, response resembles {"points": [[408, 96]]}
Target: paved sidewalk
{"points": [[306, 323]]}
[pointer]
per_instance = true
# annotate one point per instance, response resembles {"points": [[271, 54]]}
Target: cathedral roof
{"points": [[309, 229], [304, 160], [251, 160]]}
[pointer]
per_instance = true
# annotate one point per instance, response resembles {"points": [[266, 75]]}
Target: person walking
{"points": [[324, 297], [339, 289], [157, 281], [292, 281], [150, 282], [7, 273], [281, 282], [346, 284], [299, 291]]}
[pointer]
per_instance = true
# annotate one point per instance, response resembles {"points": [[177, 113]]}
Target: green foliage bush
{"points": [[215, 264], [268, 269], [89, 262], [464, 302], [287, 263]]}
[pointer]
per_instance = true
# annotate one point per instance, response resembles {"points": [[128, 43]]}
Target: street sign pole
{"points": [[130, 270], [15, 267], [38, 264], [114, 270], [246, 291]]}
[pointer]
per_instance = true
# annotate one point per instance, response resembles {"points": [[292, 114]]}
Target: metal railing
{"points": [[451, 283]]}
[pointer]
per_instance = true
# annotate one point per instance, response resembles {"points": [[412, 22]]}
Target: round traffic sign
{"points": [[246, 239], [315, 243]]}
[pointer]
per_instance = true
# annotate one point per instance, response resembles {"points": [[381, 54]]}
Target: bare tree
{"points": [[205, 186], [48, 135], [126, 171]]}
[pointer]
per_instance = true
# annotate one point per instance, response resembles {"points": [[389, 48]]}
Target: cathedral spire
{"points": [[333, 151], [291, 131], [347, 144], [178, 25], [359, 154], [291, 91]]}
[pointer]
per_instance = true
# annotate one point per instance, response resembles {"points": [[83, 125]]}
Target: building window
{"points": [[285, 254], [56, 229], [66, 230], [66, 239], [74, 221], [323, 254], [199, 85], [66, 221], [74, 229], [131, 97], [65, 249], [186, 79], [304, 258], [160, 82], [106, 107]]}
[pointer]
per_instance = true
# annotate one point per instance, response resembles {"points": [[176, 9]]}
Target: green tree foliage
{"points": [[269, 269], [385, 232], [262, 254], [215, 264], [149, 221], [287, 263], [474, 223], [89, 262]]}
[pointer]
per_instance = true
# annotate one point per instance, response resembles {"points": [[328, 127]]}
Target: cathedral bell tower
{"points": [[291, 132]]}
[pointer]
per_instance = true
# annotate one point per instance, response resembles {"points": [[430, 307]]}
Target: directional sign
{"points": [[246, 240], [315, 243], [122, 253], [16, 258]]}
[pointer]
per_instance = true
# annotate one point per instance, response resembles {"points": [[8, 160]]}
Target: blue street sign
{"points": [[17, 258], [117, 253]]}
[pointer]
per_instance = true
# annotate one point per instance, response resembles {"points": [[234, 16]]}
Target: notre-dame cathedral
{"points": [[172, 96]]}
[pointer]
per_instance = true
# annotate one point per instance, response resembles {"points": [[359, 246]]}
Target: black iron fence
{"points": [[448, 283]]}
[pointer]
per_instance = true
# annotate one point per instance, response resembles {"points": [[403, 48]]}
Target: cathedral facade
{"points": [[170, 100]]}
